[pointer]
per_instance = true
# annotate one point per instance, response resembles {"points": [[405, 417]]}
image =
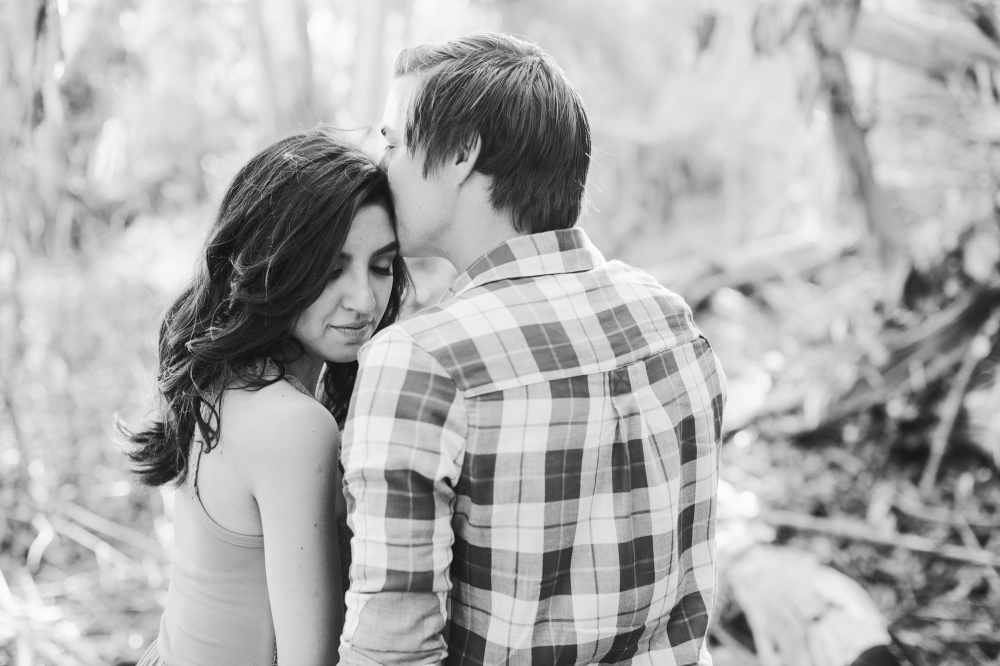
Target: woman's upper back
{"points": [[218, 607], [258, 430], [219, 604]]}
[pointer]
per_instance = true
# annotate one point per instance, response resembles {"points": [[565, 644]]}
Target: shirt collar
{"points": [[548, 253]]}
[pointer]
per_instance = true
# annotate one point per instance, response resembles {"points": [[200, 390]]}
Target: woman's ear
{"points": [[465, 160]]}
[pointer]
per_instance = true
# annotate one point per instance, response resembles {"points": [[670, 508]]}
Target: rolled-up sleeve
{"points": [[402, 453]]}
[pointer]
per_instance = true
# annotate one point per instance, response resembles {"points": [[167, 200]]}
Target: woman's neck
{"points": [[305, 369]]}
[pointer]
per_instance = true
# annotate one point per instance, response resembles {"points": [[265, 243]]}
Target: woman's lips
{"points": [[354, 333]]}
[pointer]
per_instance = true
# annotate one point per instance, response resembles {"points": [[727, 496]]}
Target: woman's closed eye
{"points": [[385, 270]]}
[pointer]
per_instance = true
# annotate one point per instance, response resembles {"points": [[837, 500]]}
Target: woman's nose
{"points": [[360, 297]]}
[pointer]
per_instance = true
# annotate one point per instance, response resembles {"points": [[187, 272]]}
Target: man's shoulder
{"points": [[522, 330], [609, 282], [422, 334], [622, 274], [442, 324], [412, 329]]}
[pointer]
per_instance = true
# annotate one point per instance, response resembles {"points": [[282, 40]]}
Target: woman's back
{"points": [[218, 610], [219, 607]]}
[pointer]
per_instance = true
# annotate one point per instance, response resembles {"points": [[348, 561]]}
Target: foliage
{"points": [[716, 168]]}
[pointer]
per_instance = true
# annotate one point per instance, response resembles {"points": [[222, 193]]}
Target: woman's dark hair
{"points": [[532, 123], [268, 257]]}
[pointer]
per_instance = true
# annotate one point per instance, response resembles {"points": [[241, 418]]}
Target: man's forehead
{"points": [[397, 102]]}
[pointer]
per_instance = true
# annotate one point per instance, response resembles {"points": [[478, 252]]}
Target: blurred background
{"points": [[819, 178]]}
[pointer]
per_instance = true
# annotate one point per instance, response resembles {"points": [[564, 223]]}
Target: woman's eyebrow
{"points": [[388, 247], [385, 249]]}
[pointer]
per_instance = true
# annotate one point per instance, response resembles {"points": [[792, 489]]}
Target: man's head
{"points": [[488, 105]]}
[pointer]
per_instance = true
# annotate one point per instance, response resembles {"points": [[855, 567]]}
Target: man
{"points": [[531, 465]]}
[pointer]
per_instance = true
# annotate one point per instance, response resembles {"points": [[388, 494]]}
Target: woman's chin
{"points": [[345, 353]]}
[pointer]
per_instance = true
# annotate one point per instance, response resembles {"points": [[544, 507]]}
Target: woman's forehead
{"points": [[371, 232]]}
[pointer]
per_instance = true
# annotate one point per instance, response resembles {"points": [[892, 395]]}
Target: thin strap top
{"points": [[218, 609]]}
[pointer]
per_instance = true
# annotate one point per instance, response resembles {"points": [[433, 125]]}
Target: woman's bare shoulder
{"points": [[278, 425]]}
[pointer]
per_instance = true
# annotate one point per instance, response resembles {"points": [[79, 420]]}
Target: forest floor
{"points": [[939, 612], [100, 602]]}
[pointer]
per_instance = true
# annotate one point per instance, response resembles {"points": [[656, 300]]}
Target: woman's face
{"points": [[345, 315]]}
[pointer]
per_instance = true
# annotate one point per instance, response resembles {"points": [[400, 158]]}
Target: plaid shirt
{"points": [[531, 470]]}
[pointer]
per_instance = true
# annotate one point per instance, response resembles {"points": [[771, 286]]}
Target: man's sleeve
{"points": [[402, 453]]}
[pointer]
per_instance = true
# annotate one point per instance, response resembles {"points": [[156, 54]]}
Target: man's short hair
{"points": [[532, 123]]}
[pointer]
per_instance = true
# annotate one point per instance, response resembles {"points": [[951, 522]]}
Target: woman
{"points": [[300, 270]]}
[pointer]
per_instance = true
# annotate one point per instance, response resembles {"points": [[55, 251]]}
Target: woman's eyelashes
{"points": [[381, 269]]}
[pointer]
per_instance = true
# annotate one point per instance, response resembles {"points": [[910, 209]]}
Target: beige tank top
{"points": [[218, 610]]}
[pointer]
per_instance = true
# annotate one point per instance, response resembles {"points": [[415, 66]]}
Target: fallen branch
{"points": [[850, 529], [109, 528], [7, 602], [934, 348], [45, 536], [932, 514], [34, 636], [102, 549], [977, 351], [970, 540], [936, 45], [777, 257]]}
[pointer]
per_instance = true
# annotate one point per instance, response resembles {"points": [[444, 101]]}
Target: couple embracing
{"points": [[524, 473]]}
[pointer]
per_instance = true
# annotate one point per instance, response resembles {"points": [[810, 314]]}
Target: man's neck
{"points": [[476, 235]]}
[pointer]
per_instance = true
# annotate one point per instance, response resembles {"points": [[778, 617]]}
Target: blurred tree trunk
{"points": [[267, 64], [303, 111], [367, 79], [32, 132], [832, 32], [35, 210], [286, 59]]}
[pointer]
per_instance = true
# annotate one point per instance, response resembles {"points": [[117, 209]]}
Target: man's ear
{"points": [[465, 160]]}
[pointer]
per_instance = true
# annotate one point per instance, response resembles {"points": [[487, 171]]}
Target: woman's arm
{"points": [[294, 479]]}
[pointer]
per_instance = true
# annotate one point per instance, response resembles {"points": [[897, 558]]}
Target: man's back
{"points": [[579, 412]]}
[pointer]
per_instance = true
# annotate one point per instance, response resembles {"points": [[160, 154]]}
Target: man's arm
{"points": [[402, 452]]}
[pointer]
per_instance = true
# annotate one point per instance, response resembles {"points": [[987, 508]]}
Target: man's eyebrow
{"points": [[385, 249]]}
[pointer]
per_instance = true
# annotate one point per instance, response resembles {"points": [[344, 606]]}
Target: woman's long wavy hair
{"points": [[269, 256]]}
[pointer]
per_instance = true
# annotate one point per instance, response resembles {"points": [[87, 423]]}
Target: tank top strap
{"points": [[297, 385], [220, 532], [206, 520], [272, 367], [198, 447]]}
